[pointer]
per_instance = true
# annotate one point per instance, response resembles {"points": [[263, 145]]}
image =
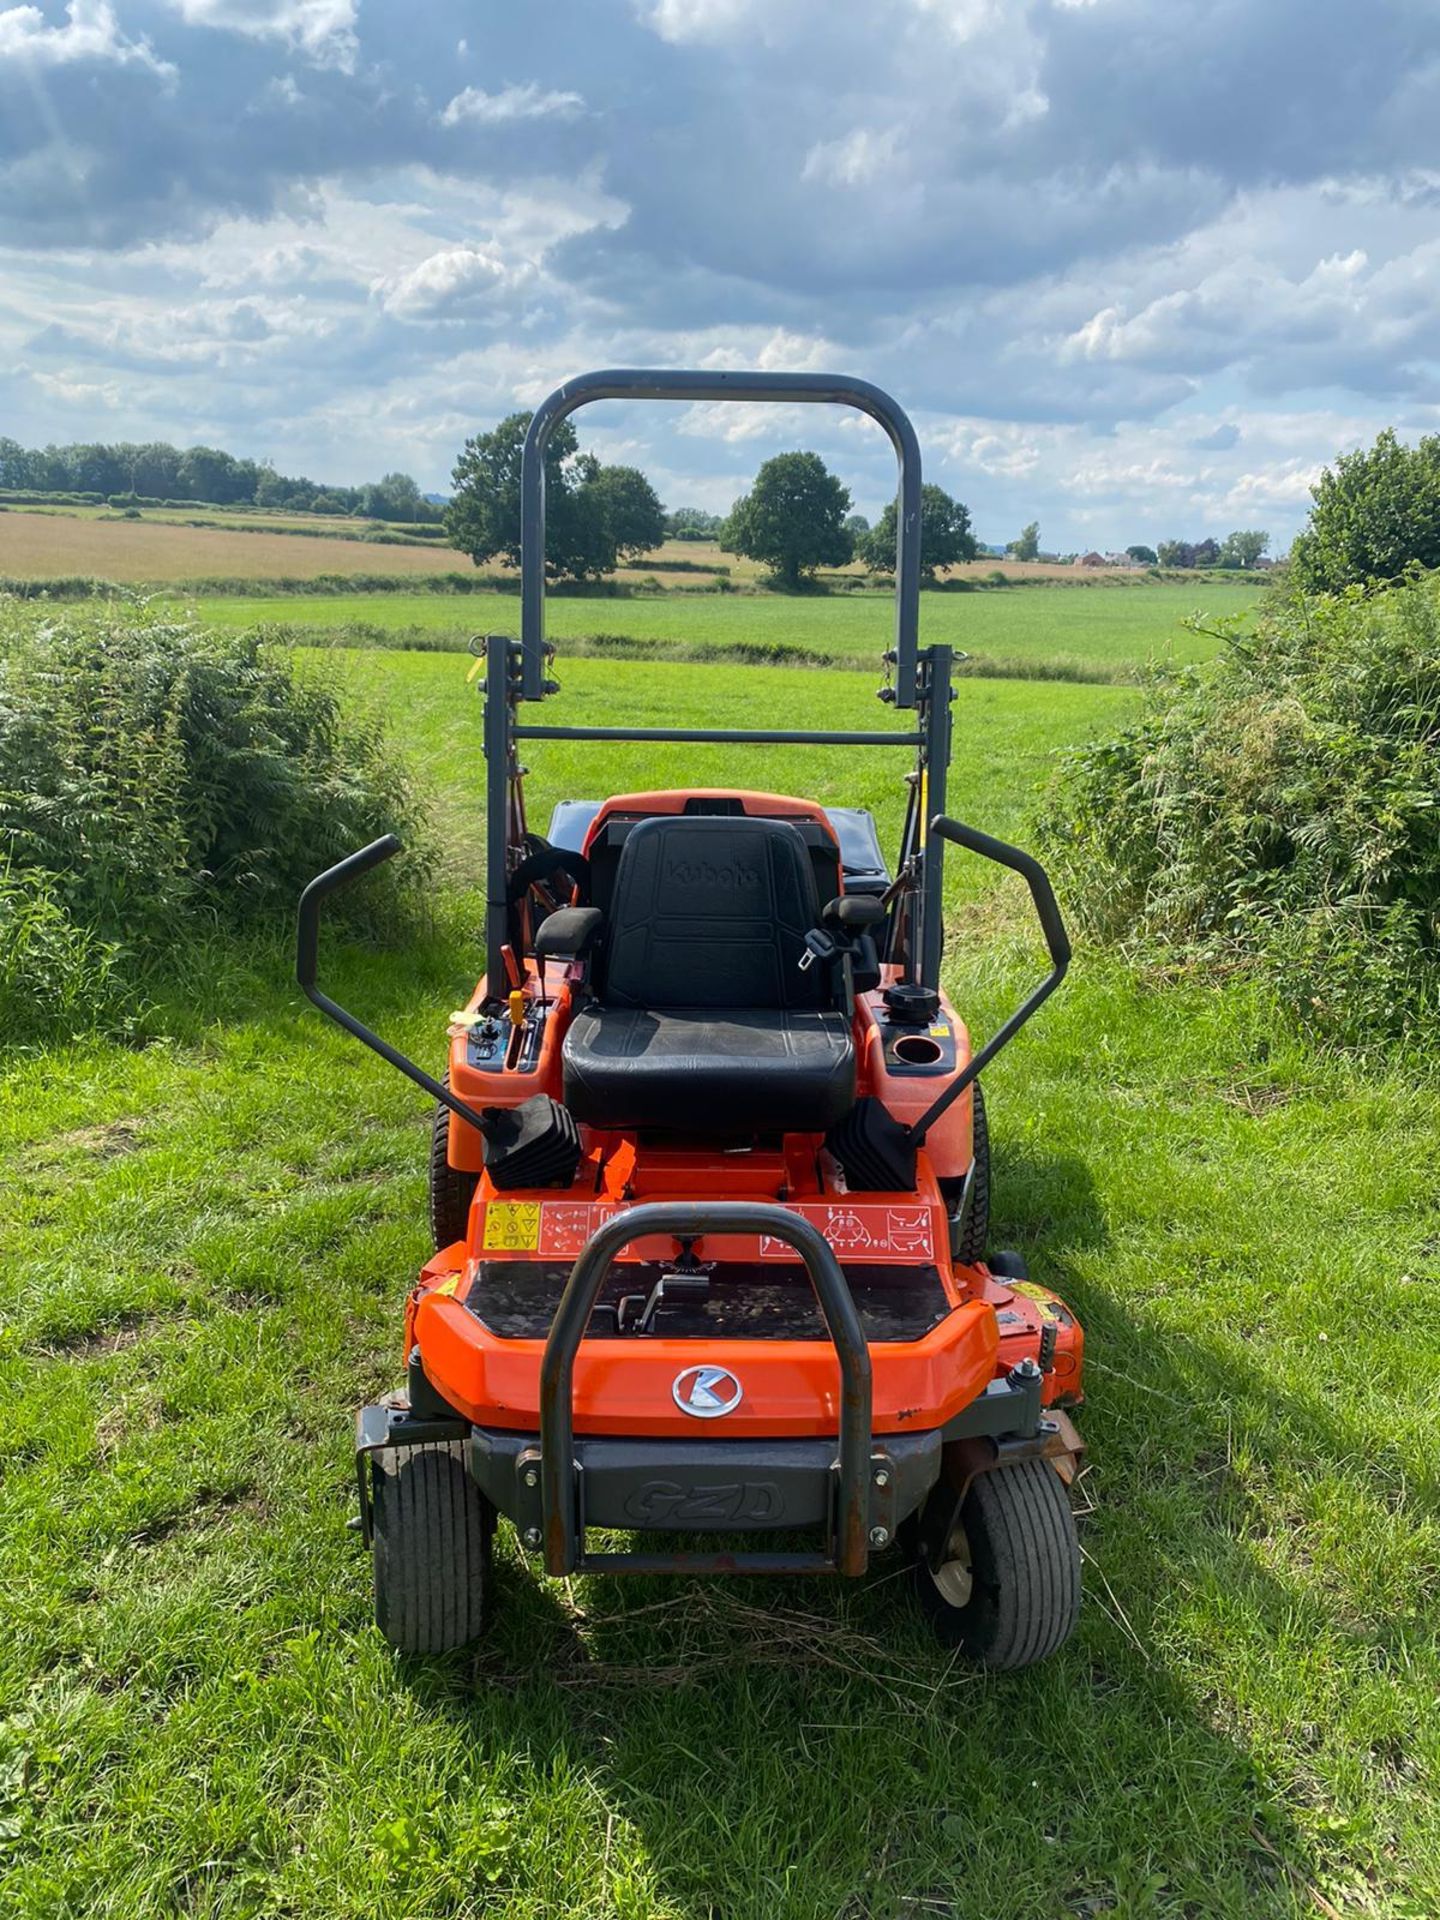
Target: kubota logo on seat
{"points": [[731, 878], [707, 1392]]}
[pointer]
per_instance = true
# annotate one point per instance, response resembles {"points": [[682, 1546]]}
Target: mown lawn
{"points": [[204, 1247], [1103, 628]]}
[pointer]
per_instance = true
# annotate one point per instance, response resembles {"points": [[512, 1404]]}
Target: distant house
{"points": [[1092, 560]]}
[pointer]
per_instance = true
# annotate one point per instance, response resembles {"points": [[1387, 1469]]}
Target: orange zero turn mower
{"points": [[710, 1182]]}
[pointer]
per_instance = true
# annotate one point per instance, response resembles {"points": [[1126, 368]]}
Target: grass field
{"points": [[1097, 632], [204, 1247]]}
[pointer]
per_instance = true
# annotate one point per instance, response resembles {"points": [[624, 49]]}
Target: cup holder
{"points": [[918, 1050]]}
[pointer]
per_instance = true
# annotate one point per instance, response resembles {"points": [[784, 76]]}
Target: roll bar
{"points": [[640, 383], [564, 1531]]}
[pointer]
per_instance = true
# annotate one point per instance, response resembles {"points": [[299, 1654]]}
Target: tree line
{"points": [[796, 517], [157, 472]]}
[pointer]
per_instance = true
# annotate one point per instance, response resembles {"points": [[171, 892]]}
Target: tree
{"points": [[207, 474], [1376, 512], [629, 507], [592, 512], [858, 528], [1144, 556], [945, 536], [1027, 547], [95, 469], [1240, 549], [483, 518], [396, 497], [155, 470], [1186, 553], [693, 523], [793, 518]]}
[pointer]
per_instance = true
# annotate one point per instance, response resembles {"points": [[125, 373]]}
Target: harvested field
{"points": [[42, 543], [48, 546]]}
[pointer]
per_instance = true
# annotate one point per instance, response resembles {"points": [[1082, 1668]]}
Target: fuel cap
{"points": [[912, 1006]]}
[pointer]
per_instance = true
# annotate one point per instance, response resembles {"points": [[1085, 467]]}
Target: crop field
{"points": [[49, 546], [1098, 632], [205, 1244], [231, 519], [178, 544]]}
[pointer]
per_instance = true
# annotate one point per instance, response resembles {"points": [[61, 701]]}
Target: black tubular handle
{"points": [[307, 941], [1056, 939], [644, 383], [307, 958], [687, 1220]]}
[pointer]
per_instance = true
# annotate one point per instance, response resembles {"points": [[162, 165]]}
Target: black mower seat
{"points": [[703, 1021]]}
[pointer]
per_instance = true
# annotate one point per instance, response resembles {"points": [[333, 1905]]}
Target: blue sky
{"points": [[1138, 270]]}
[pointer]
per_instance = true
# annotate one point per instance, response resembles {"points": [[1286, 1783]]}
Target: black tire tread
{"points": [[1025, 1558], [433, 1529], [976, 1230], [451, 1190]]}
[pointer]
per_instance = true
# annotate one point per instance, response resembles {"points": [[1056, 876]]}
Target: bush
{"points": [[157, 782], [1376, 513], [1281, 810]]}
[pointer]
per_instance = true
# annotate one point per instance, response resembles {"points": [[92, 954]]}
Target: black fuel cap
{"points": [[912, 1006]]}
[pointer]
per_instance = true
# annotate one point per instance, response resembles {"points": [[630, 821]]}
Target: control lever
{"points": [[845, 923], [670, 1290]]}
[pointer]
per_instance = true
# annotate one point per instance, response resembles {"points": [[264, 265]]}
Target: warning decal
{"points": [[567, 1226], [1051, 1307], [864, 1233], [512, 1226]]}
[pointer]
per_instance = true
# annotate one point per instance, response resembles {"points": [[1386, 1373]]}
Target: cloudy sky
{"points": [[1137, 267]]}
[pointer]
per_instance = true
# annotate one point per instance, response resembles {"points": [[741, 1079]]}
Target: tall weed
{"points": [[1280, 809], [159, 782]]}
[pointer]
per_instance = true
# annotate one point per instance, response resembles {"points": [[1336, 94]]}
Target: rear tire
{"points": [[433, 1529], [970, 1246], [1008, 1593], [451, 1190]]}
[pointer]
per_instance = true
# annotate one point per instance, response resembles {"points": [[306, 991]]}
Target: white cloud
{"points": [[324, 30], [91, 32], [857, 159], [511, 103], [452, 283], [80, 393], [682, 20]]}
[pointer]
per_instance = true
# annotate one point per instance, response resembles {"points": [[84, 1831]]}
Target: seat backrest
{"points": [[713, 912]]}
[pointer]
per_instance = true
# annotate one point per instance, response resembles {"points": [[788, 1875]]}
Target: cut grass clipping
{"points": [[159, 784]]}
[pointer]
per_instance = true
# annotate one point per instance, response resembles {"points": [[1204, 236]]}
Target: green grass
{"points": [[204, 1249], [1004, 733], [1111, 630]]}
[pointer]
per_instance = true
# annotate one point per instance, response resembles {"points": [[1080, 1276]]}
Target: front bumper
{"points": [[729, 1486]]}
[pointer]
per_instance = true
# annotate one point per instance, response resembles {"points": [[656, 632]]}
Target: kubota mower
{"points": [[710, 1182]]}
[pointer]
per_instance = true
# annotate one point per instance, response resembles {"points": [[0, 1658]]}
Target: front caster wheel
{"points": [[1006, 1586], [433, 1529]]}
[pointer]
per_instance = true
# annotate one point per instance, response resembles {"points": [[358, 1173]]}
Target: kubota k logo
{"points": [[707, 1392]]}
